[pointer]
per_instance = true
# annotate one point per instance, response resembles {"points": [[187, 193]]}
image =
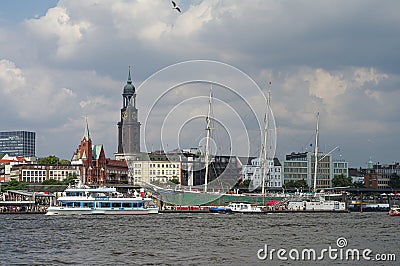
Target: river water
{"points": [[198, 239]]}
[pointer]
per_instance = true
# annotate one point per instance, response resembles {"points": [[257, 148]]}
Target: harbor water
{"points": [[198, 239]]}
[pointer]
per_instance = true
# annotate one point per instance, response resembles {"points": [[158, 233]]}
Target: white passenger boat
{"points": [[316, 202], [103, 200], [243, 207]]}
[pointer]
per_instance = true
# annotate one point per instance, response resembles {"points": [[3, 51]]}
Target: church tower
{"points": [[129, 120]]}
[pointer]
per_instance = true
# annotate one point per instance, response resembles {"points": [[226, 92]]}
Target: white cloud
{"points": [[194, 19], [57, 24], [72, 62], [375, 95], [95, 103], [11, 78], [141, 19], [363, 75], [35, 91], [325, 85]]}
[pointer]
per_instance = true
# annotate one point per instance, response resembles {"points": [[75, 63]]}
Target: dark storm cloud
{"points": [[337, 57]]}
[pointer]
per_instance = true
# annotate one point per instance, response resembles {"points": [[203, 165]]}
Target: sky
{"points": [[63, 61]]}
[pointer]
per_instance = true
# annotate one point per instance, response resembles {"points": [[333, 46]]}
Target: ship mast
{"points": [[264, 163], [208, 129], [316, 155]]}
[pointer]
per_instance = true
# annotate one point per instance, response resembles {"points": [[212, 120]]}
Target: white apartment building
{"points": [[273, 178], [156, 171], [38, 173], [340, 168]]}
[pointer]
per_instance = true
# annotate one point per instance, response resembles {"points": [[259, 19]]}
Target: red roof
{"points": [[16, 159]]}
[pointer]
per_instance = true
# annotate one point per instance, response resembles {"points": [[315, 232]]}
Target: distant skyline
{"points": [[61, 61]]}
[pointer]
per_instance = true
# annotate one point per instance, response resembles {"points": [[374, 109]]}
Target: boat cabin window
{"points": [[126, 205], [115, 204], [75, 193], [104, 204], [72, 204], [137, 204], [87, 204]]}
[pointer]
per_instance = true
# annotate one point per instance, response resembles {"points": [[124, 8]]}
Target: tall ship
{"points": [[207, 193], [214, 192], [103, 200]]}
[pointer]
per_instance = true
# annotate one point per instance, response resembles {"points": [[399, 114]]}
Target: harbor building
{"points": [[184, 167], [253, 171], [370, 176], [384, 172], [300, 166], [375, 176], [25, 169], [37, 173], [340, 168], [223, 167], [245, 163], [95, 168], [357, 176], [7, 163], [18, 143], [296, 167], [155, 168], [88, 163]]}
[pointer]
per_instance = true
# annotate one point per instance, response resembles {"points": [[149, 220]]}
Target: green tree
{"points": [[296, 184], [49, 160], [14, 184], [245, 183], [359, 184], [69, 180], [174, 180], [52, 182], [62, 161], [341, 181], [394, 181]]}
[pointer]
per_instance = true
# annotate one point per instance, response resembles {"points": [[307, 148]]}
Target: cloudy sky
{"points": [[61, 61]]}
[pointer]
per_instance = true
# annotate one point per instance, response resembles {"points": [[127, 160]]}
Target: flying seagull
{"points": [[174, 6]]}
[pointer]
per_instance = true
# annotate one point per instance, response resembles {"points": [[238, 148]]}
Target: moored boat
{"points": [[394, 211], [220, 209], [244, 207], [103, 200], [316, 202]]}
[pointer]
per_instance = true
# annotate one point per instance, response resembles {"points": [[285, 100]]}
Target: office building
{"points": [[18, 143]]}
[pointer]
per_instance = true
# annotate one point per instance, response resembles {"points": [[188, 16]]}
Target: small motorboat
{"points": [[394, 211]]}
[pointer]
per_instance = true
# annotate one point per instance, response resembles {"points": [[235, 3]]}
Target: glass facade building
{"points": [[18, 143]]}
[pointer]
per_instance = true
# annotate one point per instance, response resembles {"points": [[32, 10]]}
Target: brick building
{"points": [[96, 169]]}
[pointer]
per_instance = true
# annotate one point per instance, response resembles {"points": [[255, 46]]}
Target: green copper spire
{"points": [[129, 89]]}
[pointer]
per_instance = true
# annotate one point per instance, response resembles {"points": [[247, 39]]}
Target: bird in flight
{"points": [[174, 6]]}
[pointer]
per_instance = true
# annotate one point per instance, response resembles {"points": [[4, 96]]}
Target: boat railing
{"points": [[102, 198]]}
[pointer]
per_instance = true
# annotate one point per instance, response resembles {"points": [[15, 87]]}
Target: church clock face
{"points": [[124, 115], [134, 116]]}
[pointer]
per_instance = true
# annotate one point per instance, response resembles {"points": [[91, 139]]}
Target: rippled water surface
{"points": [[195, 239]]}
